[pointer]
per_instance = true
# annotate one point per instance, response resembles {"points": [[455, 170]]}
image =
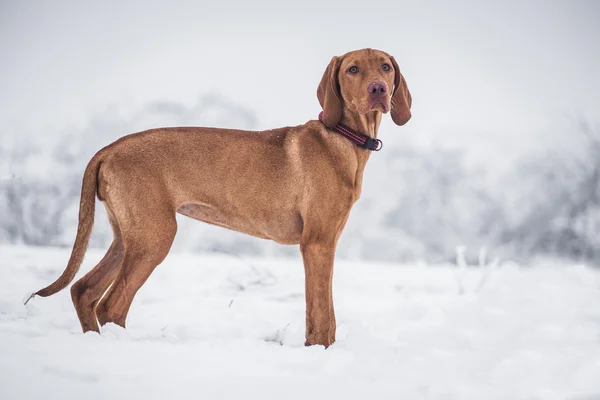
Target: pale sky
{"points": [[483, 75]]}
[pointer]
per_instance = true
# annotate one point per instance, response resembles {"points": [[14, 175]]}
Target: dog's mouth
{"points": [[379, 105]]}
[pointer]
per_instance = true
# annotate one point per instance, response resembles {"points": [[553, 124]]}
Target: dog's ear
{"points": [[329, 94], [401, 99]]}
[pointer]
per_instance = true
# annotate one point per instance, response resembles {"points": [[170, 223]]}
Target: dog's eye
{"points": [[353, 69], [386, 67]]}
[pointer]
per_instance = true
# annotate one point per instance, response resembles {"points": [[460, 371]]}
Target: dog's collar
{"points": [[358, 139]]}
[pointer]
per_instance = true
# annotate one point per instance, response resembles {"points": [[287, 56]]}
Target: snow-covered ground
{"points": [[217, 326]]}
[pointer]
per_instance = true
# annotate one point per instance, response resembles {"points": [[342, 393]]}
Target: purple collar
{"points": [[357, 138]]}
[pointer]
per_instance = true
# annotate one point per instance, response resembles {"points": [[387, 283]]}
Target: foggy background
{"points": [[500, 157]]}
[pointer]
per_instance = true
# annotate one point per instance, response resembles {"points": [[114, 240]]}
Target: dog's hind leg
{"points": [[87, 292], [146, 245]]}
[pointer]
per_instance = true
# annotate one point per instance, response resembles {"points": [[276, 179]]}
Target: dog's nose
{"points": [[377, 88]]}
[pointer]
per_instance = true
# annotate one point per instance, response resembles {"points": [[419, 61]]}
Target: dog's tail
{"points": [[87, 206]]}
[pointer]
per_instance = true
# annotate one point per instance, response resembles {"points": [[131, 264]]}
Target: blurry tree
{"points": [[561, 201], [442, 204]]}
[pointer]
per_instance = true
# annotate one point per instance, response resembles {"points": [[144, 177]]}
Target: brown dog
{"points": [[291, 185]]}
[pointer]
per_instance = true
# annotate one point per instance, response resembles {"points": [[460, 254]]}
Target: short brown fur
{"points": [[293, 185]]}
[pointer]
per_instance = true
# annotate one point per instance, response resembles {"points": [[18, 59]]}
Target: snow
{"points": [[218, 326]]}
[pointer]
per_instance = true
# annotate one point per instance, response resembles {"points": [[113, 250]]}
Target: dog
{"points": [[293, 185]]}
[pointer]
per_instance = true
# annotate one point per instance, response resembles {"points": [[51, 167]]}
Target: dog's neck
{"points": [[367, 124]]}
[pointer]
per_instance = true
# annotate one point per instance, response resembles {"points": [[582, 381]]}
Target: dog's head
{"points": [[363, 81]]}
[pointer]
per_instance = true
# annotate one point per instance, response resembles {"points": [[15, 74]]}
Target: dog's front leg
{"points": [[318, 268]]}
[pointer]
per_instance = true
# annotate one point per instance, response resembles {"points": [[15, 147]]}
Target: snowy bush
{"points": [[545, 205], [559, 202], [425, 205], [443, 204]]}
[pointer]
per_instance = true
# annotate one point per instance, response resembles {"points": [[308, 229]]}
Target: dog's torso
{"points": [[261, 183]]}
